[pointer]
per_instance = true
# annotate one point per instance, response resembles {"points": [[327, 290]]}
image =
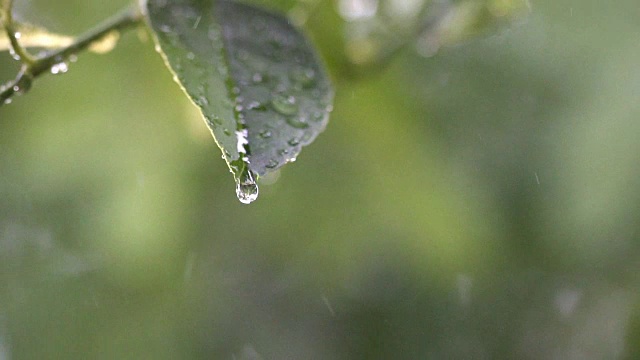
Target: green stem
{"points": [[7, 20], [128, 18]]}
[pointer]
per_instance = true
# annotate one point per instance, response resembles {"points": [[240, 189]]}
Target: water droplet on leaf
{"points": [[304, 77], [298, 122], [254, 105], [285, 105], [265, 134], [272, 164]]}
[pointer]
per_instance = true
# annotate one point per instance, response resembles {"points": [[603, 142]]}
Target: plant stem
{"points": [[7, 20], [126, 19]]}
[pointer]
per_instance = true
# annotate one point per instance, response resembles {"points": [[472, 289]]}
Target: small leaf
{"points": [[256, 79]]}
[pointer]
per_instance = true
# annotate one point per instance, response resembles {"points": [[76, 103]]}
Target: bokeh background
{"points": [[476, 195]]}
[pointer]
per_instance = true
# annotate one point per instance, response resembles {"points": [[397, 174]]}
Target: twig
{"points": [[128, 18]]}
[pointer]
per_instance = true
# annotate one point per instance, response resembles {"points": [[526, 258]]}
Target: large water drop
{"points": [[246, 187]]}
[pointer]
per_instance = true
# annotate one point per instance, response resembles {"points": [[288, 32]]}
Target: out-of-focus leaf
{"points": [[256, 79], [32, 36]]}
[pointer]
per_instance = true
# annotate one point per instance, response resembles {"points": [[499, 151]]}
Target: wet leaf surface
{"points": [[259, 84]]}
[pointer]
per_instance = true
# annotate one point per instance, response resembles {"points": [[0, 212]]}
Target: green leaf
{"points": [[256, 79]]}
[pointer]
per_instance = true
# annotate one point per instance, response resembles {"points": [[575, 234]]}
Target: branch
{"points": [[128, 18]]}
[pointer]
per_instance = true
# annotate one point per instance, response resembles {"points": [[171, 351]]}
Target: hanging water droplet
{"points": [[24, 84], [246, 187], [13, 54], [285, 104], [59, 68]]}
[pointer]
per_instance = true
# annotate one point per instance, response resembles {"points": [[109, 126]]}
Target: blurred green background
{"points": [[476, 195]]}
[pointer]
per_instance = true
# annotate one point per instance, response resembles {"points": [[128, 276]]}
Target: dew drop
{"points": [[257, 78], [306, 137], [7, 101], [293, 142], [298, 122], [14, 55], [59, 68], [255, 105], [272, 164], [285, 105], [246, 187], [265, 134], [302, 76], [202, 101], [317, 116]]}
